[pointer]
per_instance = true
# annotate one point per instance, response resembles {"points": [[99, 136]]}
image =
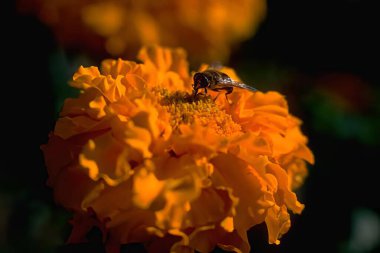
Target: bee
{"points": [[216, 81]]}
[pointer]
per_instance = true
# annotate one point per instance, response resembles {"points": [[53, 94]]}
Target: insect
{"points": [[216, 81]]}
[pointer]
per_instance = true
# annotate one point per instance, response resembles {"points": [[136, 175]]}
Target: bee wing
{"points": [[242, 86], [216, 65], [234, 84]]}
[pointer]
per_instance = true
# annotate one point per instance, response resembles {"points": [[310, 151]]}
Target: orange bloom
{"points": [[208, 29], [137, 156]]}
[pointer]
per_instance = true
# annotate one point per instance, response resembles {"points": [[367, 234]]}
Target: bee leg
{"points": [[205, 91], [229, 91], [203, 94], [195, 92], [216, 97]]}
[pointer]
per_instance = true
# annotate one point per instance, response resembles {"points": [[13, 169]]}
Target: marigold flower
{"points": [[208, 29], [137, 156]]}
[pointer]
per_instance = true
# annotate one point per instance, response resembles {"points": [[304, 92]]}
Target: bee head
{"points": [[200, 81]]}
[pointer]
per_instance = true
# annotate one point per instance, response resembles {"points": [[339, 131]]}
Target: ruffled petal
{"points": [[106, 158]]}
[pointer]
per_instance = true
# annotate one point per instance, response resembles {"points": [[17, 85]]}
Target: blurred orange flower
{"points": [[206, 28], [137, 156]]}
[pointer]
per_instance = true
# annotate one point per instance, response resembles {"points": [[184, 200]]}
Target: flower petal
{"points": [[106, 158]]}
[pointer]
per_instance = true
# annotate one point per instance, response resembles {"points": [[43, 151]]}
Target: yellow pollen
{"points": [[185, 109]]}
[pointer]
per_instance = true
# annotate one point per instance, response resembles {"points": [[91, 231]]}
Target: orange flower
{"points": [[208, 29], [137, 156]]}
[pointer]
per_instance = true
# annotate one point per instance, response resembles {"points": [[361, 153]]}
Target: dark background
{"points": [[322, 54]]}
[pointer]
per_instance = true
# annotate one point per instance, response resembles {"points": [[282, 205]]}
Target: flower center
{"points": [[185, 109]]}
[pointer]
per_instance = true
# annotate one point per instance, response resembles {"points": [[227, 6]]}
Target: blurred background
{"points": [[321, 54]]}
